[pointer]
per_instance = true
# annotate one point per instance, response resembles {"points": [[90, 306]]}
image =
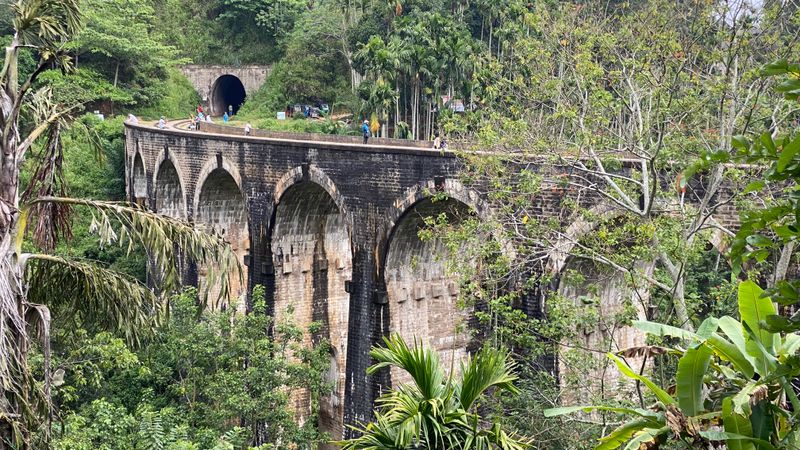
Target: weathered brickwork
{"points": [[221, 210], [169, 199], [606, 296], [139, 179], [313, 264], [331, 230], [422, 293], [333, 204]]}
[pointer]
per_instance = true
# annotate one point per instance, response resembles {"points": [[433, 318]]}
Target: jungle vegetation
{"points": [[696, 99]]}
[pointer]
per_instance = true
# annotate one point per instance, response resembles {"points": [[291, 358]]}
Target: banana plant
{"points": [[732, 385]]}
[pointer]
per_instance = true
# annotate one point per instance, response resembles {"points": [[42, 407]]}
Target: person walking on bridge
{"points": [[365, 130]]}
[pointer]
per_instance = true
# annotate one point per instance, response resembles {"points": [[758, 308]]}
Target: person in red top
{"points": [[199, 109]]}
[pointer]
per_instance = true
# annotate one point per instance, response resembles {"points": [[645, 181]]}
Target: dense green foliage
{"points": [[204, 381], [675, 87], [436, 410]]}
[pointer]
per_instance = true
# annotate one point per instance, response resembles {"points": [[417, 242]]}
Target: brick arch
{"points": [[164, 157], [218, 162], [452, 187], [312, 253], [560, 254], [221, 207], [138, 177], [168, 193], [316, 176], [421, 294]]}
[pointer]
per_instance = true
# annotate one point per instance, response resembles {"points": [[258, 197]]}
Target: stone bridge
{"points": [[330, 228], [220, 86]]}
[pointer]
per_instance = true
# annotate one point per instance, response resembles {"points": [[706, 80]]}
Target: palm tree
{"points": [[437, 411], [380, 63], [33, 284]]}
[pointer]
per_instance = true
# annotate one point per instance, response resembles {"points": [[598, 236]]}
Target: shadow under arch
{"points": [[221, 208], [169, 187], [421, 293], [311, 250], [139, 180]]}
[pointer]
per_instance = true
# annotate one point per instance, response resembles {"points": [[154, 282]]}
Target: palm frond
{"points": [[422, 364], [52, 219], [165, 239], [488, 368], [47, 22], [92, 295], [23, 401], [378, 435]]}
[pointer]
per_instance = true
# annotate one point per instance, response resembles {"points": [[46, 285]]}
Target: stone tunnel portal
{"points": [[422, 293], [313, 261], [228, 90]]}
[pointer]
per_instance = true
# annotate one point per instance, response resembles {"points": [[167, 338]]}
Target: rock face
{"points": [[330, 228]]}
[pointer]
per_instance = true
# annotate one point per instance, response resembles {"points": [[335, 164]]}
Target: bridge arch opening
{"points": [[221, 209], [312, 257], [228, 90], [169, 196], [139, 180], [422, 293]]}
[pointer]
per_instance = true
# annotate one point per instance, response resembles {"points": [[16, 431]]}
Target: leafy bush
{"points": [[179, 100], [213, 379]]}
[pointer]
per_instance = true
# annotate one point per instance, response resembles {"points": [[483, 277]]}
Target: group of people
{"points": [[198, 118], [201, 116], [439, 142]]}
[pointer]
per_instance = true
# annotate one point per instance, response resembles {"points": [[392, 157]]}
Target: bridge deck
{"points": [[226, 132]]}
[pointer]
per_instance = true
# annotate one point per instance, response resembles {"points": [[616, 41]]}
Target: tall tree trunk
{"points": [[491, 33], [415, 110], [396, 105], [12, 306], [678, 292]]}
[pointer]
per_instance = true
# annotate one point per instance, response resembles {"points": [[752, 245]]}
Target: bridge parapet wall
{"points": [[217, 128]]}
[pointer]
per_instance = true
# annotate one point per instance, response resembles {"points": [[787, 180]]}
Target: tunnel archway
{"points": [[139, 180], [169, 192], [312, 256], [221, 209], [422, 294], [227, 90]]}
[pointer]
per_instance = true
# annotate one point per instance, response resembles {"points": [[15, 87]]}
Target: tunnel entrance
{"points": [[227, 90]]}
